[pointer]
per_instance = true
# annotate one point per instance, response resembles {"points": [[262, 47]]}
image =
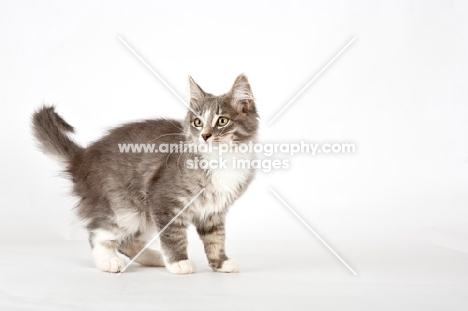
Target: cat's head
{"points": [[231, 117]]}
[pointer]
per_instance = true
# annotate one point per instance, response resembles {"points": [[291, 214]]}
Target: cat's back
{"points": [[148, 131], [113, 154], [157, 131]]}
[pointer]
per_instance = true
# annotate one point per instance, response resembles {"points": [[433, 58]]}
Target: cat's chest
{"points": [[227, 181], [222, 187]]}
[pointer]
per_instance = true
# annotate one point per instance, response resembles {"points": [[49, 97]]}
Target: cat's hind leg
{"points": [[104, 246], [149, 257]]}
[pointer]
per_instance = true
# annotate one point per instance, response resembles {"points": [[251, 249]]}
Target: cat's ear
{"points": [[196, 92], [241, 94]]}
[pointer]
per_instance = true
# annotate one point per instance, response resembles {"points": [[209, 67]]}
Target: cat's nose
{"points": [[206, 136]]}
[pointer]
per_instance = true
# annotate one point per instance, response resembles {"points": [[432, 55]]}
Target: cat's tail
{"points": [[51, 131]]}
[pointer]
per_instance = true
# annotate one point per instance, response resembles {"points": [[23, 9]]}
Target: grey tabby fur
{"points": [[127, 197]]}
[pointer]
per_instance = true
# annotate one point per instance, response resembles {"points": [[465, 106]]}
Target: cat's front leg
{"points": [[212, 233], [174, 247]]}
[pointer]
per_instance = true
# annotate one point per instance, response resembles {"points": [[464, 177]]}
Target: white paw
{"points": [[229, 266], [151, 257], [114, 264], [181, 267]]}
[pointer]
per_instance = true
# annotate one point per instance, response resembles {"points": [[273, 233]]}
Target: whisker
{"points": [[169, 134], [167, 158]]}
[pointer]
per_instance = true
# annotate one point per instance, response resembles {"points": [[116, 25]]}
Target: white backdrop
{"points": [[398, 92]]}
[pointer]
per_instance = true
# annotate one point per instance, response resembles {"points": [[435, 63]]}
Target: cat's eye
{"points": [[222, 121], [197, 122]]}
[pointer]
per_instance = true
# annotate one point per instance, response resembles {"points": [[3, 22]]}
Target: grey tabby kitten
{"points": [[126, 197]]}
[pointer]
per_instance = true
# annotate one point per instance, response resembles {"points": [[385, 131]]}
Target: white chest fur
{"points": [[223, 185]]}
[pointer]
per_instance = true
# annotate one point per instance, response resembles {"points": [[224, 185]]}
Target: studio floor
{"points": [[275, 276]]}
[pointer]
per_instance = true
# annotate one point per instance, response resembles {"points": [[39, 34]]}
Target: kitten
{"points": [[125, 197]]}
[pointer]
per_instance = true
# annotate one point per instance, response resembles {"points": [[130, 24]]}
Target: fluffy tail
{"points": [[51, 132]]}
